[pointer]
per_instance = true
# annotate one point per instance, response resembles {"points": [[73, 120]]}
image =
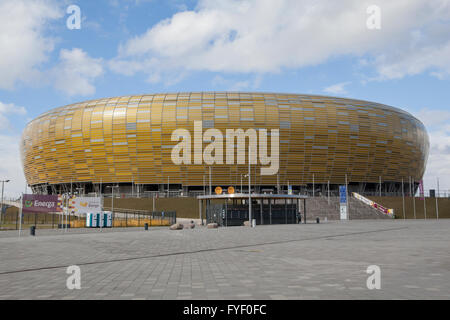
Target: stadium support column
{"points": [[226, 213], [380, 186], [285, 210], [403, 199], [328, 187], [210, 187], [347, 194], [261, 211], [278, 183], [241, 184], [270, 210], [200, 202], [304, 211], [314, 186]]}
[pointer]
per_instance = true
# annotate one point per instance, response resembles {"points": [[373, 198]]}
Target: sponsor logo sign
{"points": [[40, 203], [85, 205], [218, 190]]}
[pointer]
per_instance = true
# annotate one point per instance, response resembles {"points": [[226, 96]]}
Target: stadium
{"points": [[126, 141]]}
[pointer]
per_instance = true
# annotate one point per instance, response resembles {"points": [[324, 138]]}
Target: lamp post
{"points": [[1, 210], [112, 200], [249, 190]]}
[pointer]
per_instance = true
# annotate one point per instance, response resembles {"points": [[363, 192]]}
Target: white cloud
{"points": [[7, 109], [75, 72], [11, 167], [260, 36], [235, 85], [338, 88], [23, 44], [438, 127]]}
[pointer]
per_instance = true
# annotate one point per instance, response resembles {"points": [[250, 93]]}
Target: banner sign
{"points": [[343, 212], [40, 203], [373, 204], [79, 205], [343, 194]]}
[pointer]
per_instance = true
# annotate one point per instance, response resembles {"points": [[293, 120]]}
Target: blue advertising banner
{"points": [[343, 194]]}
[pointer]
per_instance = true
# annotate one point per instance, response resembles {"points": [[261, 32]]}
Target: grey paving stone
{"points": [[326, 261]]}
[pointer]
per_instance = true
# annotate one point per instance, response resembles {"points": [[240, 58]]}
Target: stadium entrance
{"points": [[233, 209]]}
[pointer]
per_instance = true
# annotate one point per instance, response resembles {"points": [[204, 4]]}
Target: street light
{"points": [[112, 199], [249, 190], [1, 210]]}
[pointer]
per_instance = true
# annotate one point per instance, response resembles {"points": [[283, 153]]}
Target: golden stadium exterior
{"points": [[127, 141]]}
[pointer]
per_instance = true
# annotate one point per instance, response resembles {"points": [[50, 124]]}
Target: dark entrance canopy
{"points": [[233, 209]]}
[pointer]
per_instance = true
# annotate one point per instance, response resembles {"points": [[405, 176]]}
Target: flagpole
{"points": [[437, 200], [20, 214], [67, 212]]}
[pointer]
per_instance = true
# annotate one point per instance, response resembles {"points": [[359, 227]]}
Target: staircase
{"points": [[318, 207], [359, 210]]}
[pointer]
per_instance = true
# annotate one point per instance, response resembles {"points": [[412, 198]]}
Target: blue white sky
{"points": [[129, 47]]}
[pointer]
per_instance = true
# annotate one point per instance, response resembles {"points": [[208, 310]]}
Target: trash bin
{"points": [[253, 223], [33, 230], [146, 226], [318, 220]]}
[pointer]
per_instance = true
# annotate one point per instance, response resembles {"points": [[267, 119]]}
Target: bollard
{"points": [[146, 227], [318, 220], [32, 230]]}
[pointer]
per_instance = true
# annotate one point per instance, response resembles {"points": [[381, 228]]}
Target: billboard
{"points": [[80, 205], [40, 203]]}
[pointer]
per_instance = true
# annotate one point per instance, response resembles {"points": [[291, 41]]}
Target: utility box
{"points": [[99, 220]]}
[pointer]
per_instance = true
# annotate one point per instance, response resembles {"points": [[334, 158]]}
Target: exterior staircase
{"points": [[318, 207]]}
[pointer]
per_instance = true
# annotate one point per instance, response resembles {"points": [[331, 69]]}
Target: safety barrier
{"points": [[373, 204]]}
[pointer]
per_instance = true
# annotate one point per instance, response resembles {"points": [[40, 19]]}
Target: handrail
{"points": [[373, 204]]}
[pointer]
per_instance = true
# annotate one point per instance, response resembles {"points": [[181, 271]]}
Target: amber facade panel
{"points": [[128, 139]]}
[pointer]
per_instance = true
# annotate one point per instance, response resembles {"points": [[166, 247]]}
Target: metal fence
{"points": [[318, 193], [122, 218]]}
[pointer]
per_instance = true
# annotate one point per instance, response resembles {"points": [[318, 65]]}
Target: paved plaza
{"points": [[312, 261]]}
